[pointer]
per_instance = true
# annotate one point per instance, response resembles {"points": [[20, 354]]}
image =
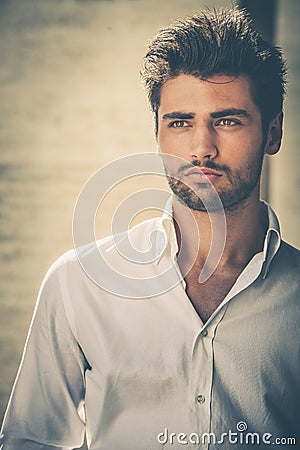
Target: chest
{"points": [[206, 297]]}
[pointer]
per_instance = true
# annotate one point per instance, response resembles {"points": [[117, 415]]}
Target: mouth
{"points": [[202, 175]]}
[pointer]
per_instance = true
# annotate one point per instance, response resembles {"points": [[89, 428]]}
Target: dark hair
{"points": [[217, 43]]}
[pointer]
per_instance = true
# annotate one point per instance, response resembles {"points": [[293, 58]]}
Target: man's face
{"points": [[216, 127]]}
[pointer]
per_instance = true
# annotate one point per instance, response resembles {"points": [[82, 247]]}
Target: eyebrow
{"points": [[178, 115], [230, 112], [215, 115]]}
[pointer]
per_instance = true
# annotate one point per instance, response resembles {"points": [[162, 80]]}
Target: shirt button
{"points": [[200, 398], [204, 332]]}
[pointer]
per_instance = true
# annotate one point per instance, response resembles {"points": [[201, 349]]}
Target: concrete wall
{"points": [[284, 167]]}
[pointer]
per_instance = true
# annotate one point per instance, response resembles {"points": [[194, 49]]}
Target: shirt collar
{"points": [[272, 240], [165, 225]]}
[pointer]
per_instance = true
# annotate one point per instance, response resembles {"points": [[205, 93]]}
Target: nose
{"points": [[203, 144]]}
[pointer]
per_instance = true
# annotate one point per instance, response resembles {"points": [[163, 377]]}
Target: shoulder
{"points": [[110, 249], [288, 255], [285, 267]]}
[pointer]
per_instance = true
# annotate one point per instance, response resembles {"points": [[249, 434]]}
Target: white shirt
{"points": [[131, 371]]}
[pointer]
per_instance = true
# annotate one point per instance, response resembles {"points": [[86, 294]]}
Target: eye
{"points": [[227, 122], [178, 124]]}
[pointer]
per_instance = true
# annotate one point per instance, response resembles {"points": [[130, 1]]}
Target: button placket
{"points": [[200, 384]]}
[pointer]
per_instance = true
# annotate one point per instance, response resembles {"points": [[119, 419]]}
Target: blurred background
{"points": [[71, 101]]}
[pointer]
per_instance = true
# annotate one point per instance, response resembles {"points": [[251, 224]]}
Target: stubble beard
{"points": [[206, 198]]}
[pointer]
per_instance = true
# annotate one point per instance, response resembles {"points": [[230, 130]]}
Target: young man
{"points": [[206, 362]]}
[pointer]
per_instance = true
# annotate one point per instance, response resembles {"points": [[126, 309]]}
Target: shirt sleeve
{"points": [[47, 400]]}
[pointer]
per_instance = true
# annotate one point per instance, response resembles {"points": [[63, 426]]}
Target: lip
{"points": [[202, 174]]}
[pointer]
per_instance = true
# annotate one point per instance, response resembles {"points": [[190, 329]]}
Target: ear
{"points": [[274, 136]]}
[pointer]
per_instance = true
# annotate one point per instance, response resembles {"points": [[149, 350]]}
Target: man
{"points": [[209, 358]]}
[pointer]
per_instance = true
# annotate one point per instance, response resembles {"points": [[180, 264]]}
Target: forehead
{"points": [[218, 92]]}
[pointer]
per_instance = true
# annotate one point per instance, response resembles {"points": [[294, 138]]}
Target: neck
{"points": [[235, 241]]}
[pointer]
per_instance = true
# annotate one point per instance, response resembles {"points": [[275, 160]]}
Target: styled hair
{"points": [[212, 43]]}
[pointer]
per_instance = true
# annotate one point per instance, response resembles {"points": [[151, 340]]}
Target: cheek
{"points": [[164, 142], [170, 143], [247, 148]]}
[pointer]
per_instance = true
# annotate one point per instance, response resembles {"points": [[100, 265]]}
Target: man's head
{"points": [[217, 43], [216, 88]]}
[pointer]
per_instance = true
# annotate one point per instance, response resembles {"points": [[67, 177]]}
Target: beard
{"points": [[207, 198]]}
